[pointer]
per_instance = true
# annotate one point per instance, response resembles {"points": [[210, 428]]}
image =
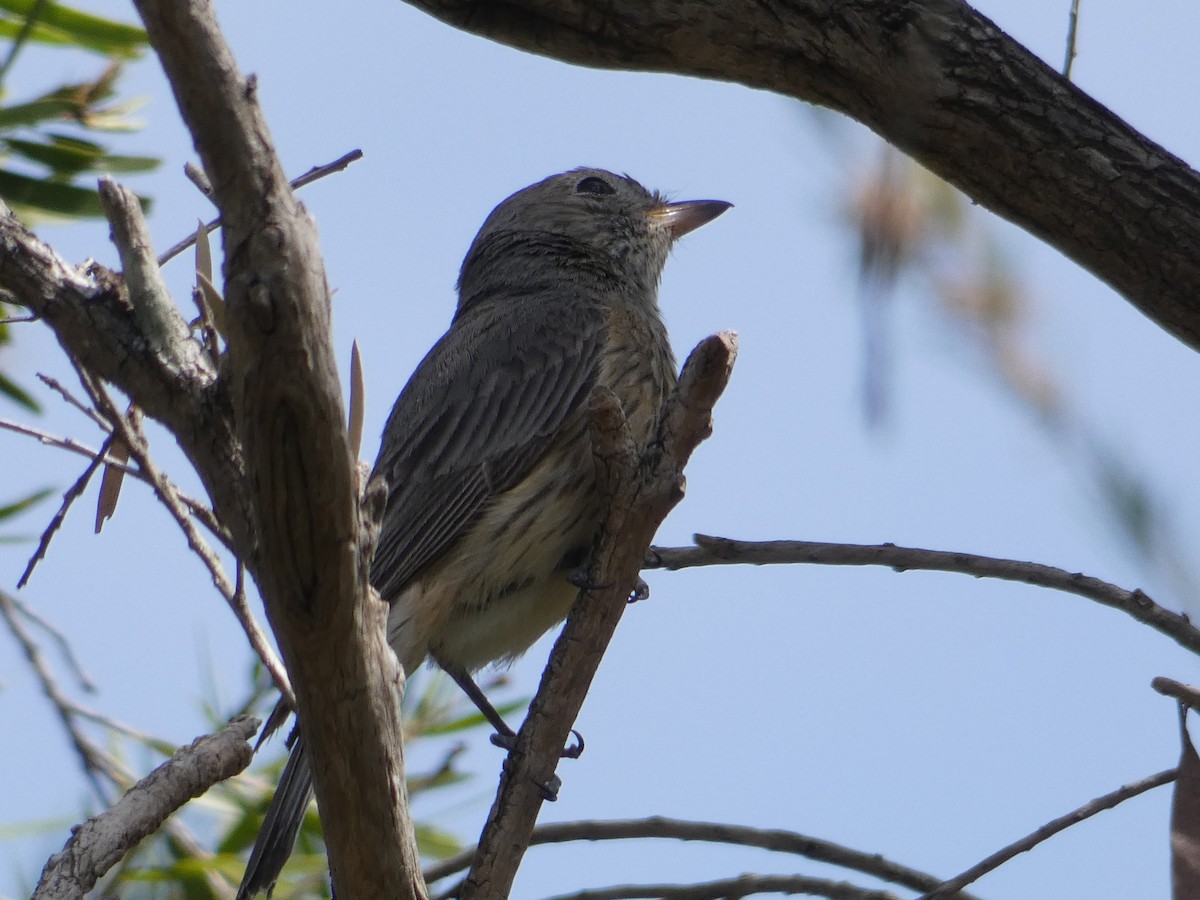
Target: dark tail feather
{"points": [[277, 838]]}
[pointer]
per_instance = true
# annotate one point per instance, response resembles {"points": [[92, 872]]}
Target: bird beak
{"points": [[687, 215]]}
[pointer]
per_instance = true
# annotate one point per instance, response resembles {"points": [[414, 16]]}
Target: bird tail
{"points": [[277, 837]]}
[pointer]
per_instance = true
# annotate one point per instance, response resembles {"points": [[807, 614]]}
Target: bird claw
{"points": [[579, 578], [503, 741], [573, 751], [509, 741], [641, 591], [549, 788]]}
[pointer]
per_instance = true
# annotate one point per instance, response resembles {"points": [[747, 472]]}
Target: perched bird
{"points": [[492, 501]]}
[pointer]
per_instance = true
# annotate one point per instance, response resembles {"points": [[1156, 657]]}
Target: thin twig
{"points": [[203, 514], [64, 645], [196, 176], [93, 760], [97, 763], [1051, 828], [1184, 693], [69, 496], [128, 432], [732, 889], [55, 385], [714, 551], [313, 174], [1072, 29], [715, 832]]}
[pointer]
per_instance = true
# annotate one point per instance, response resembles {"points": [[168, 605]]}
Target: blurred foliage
{"points": [[176, 865], [48, 142], [912, 228]]}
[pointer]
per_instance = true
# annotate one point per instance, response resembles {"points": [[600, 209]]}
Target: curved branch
{"points": [[938, 80], [715, 551], [733, 888], [714, 832]]}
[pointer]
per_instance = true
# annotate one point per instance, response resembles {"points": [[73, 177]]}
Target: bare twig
{"points": [[640, 492], [1072, 31], [196, 176], [714, 832], [313, 174], [202, 513], [64, 646], [57, 386], [714, 551], [93, 760], [69, 496], [1184, 693], [100, 767], [318, 172], [99, 843], [128, 431], [734, 888], [1051, 828]]}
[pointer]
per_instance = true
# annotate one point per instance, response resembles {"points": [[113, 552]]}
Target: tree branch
{"points": [[313, 538], [714, 551], [1051, 828], [714, 832], [100, 842], [942, 83], [733, 889], [641, 492]]}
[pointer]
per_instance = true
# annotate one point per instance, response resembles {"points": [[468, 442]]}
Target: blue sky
{"points": [[928, 717]]}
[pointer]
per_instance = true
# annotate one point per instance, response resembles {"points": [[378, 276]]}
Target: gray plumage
{"points": [[491, 489]]}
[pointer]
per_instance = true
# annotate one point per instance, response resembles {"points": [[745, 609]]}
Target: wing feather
{"points": [[475, 418]]}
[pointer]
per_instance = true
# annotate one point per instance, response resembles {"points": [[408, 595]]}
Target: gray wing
{"points": [[473, 420]]}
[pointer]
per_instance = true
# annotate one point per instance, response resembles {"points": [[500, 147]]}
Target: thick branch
{"points": [[640, 493], [99, 843], [942, 83], [713, 551], [314, 538]]}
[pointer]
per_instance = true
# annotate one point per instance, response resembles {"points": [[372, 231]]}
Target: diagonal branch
{"points": [[641, 493], [714, 551], [941, 82], [1054, 826], [99, 843]]}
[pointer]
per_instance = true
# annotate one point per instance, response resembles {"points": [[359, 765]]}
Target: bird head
{"points": [[586, 224]]}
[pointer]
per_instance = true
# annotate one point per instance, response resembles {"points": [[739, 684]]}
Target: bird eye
{"points": [[594, 185]]}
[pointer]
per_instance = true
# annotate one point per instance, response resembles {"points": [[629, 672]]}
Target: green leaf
{"points": [[69, 156], [435, 843], [12, 28], [9, 510], [33, 198], [17, 394], [106, 36], [44, 109]]}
